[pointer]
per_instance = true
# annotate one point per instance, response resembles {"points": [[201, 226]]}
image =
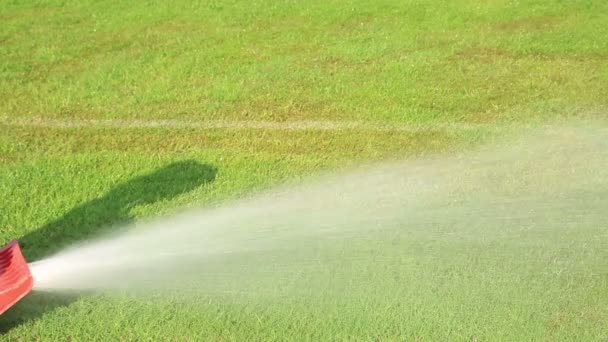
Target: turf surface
{"points": [[490, 64]]}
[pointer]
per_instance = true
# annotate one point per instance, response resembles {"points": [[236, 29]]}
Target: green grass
{"points": [[403, 61], [492, 63]]}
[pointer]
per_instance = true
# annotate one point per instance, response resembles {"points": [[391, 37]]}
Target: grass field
{"points": [[117, 111]]}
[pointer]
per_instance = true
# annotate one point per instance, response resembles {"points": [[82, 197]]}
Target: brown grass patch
{"points": [[533, 24]]}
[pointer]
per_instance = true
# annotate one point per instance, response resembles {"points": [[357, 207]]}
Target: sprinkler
{"points": [[15, 278]]}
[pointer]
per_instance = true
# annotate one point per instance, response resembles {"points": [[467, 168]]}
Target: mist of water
{"points": [[521, 189]]}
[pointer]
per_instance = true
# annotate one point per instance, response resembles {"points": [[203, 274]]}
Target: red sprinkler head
{"points": [[15, 278]]}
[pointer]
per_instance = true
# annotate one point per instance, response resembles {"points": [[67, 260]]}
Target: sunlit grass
{"points": [[490, 63]]}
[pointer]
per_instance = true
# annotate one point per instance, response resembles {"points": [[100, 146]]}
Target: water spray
{"points": [[537, 190]]}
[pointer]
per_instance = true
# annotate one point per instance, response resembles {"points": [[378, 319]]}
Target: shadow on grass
{"points": [[95, 217]]}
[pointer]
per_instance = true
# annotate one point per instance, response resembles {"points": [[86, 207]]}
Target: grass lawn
{"points": [[118, 111]]}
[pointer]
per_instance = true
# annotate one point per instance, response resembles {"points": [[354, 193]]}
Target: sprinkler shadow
{"points": [[96, 217]]}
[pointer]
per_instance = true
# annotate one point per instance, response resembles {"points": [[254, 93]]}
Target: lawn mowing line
{"points": [[240, 125]]}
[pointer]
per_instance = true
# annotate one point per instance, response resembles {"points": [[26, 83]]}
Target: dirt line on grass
{"points": [[240, 125]]}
